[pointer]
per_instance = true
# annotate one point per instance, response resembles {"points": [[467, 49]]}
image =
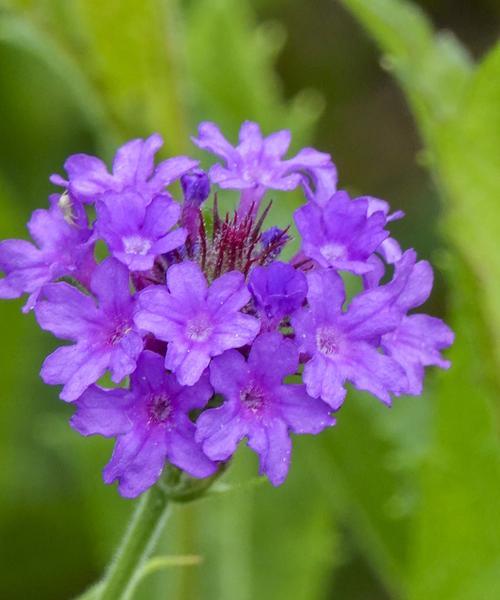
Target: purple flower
{"points": [[198, 321], [259, 406], [104, 332], [344, 346], [256, 163], [151, 423], [64, 249], [418, 340], [340, 234], [135, 233], [278, 290], [272, 235], [133, 169]]}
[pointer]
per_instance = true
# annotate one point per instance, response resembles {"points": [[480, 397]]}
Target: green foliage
{"points": [[132, 76], [232, 80], [468, 159], [456, 552]]}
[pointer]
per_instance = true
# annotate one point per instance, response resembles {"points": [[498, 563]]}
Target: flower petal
{"points": [[273, 357], [228, 293], [195, 361], [324, 380], [102, 412], [185, 453], [303, 413], [137, 462], [67, 313], [187, 283], [220, 430], [111, 284], [134, 161], [210, 138], [234, 331], [170, 170], [274, 447], [77, 367]]}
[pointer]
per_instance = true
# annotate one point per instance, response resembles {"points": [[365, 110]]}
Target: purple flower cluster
{"points": [[211, 337]]}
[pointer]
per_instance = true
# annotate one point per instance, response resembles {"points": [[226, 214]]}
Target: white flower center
{"points": [[135, 244], [332, 251], [199, 329], [327, 341]]}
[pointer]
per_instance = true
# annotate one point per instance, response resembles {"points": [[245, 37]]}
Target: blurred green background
{"points": [[390, 504]]}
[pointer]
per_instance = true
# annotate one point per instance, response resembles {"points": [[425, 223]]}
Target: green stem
{"points": [[138, 543]]}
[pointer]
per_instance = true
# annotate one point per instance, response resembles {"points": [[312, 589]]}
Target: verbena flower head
{"points": [[213, 336]]}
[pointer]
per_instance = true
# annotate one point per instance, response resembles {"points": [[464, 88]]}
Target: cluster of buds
{"points": [[209, 337]]}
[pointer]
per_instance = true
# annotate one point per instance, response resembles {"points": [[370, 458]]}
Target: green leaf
{"points": [[469, 164], [456, 548], [433, 70], [230, 63], [24, 32], [367, 469], [457, 533], [138, 68], [132, 77], [14, 330]]}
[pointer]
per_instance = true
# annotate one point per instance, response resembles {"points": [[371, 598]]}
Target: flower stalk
{"points": [[139, 541]]}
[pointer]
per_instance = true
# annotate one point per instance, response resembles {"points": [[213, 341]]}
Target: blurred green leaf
{"points": [[457, 534], [13, 329], [131, 77], [367, 486], [433, 70], [456, 554], [469, 164], [230, 63], [138, 69], [23, 31]]}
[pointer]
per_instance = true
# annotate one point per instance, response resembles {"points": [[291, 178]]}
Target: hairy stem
{"points": [[138, 543]]}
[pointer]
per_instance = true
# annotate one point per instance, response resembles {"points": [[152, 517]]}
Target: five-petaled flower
{"points": [[151, 423], [256, 163], [198, 321], [260, 406], [102, 327]]}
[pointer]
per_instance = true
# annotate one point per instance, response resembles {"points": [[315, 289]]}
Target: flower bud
{"points": [[196, 187]]}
